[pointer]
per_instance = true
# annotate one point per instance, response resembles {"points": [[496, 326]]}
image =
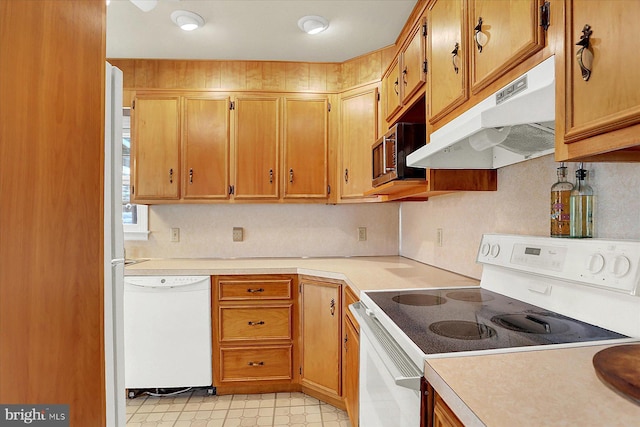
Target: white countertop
{"points": [[556, 387], [360, 273]]}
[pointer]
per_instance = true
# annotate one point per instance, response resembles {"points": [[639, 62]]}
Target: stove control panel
{"points": [[608, 264]]}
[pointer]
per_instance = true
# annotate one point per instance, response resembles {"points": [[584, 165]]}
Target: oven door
{"points": [[389, 381]]}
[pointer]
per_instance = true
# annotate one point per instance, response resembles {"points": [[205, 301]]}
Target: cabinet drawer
{"points": [[259, 289], [255, 323], [259, 363]]}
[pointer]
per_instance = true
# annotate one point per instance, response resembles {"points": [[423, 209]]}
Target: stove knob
{"points": [[595, 263], [620, 266], [495, 250], [484, 249]]}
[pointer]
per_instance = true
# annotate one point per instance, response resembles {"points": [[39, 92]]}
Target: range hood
{"points": [[516, 123]]}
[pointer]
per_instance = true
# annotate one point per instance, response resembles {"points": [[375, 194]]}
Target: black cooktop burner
{"points": [[533, 323], [462, 330], [419, 299], [513, 323], [470, 296]]}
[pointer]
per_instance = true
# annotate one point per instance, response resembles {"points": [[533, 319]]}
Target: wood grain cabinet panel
{"points": [[206, 148], [256, 364], [413, 57], [156, 141], [391, 91], [306, 145], [257, 142], [510, 33], [350, 358], [447, 52], [255, 323], [443, 416], [320, 324], [601, 113], [231, 289], [359, 129]]}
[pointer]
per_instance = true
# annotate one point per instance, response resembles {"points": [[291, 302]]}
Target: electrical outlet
{"points": [[439, 237], [362, 234], [238, 234], [175, 234]]}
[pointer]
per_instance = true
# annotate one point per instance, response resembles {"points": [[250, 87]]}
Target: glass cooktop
{"points": [[470, 319]]}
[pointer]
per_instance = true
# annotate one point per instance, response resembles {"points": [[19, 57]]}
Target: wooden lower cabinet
{"points": [[254, 330], [284, 333], [443, 416], [320, 327], [350, 358]]}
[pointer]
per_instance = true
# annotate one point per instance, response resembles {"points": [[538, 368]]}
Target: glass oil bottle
{"points": [[560, 205], [582, 205]]}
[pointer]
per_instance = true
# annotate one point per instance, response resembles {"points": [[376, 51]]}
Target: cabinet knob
{"points": [[256, 363], [395, 87], [170, 176], [255, 290], [190, 176], [261, 322], [270, 176], [480, 37], [584, 55], [346, 176], [332, 307], [455, 59], [291, 175]]}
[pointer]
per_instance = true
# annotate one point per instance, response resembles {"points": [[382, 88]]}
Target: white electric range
{"points": [[535, 292]]}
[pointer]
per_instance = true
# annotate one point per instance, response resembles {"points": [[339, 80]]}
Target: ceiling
{"points": [[255, 29]]}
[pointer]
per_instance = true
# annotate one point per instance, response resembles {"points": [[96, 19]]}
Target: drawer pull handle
{"points": [[455, 59], [256, 363], [332, 307], [255, 290], [585, 54], [256, 323]]}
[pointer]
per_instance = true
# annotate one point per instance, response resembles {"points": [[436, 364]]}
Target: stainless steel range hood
{"points": [[515, 124]]}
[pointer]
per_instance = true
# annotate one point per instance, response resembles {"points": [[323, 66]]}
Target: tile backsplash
{"points": [[520, 206], [270, 230]]}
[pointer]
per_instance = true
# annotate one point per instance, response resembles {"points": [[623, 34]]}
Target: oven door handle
{"points": [[398, 364]]}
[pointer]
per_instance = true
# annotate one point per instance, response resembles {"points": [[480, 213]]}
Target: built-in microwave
{"points": [[389, 153]]}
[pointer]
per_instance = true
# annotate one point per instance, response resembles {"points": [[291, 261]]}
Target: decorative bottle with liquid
{"points": [[560, 209], [582, 205]]}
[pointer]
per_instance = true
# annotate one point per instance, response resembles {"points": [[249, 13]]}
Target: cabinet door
{"points": [[509, 33], [391, 91], [351, 369], [443, 416], [156, 138], [610, 98], [206, 148], [306, 147], [447, 57], [320, 343], [359, 130], [413, 57], [257, 137]]}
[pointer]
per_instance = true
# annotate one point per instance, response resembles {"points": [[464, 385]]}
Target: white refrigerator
{"points": [[113, 251]]}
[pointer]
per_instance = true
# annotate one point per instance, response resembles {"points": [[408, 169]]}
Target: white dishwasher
{"points": [[167, 331]]}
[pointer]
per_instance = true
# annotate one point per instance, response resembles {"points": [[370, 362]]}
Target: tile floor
{"points": [[198, 409]]}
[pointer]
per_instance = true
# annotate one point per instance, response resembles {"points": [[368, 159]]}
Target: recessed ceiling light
{"points": [[186, 20], [313, 24]]}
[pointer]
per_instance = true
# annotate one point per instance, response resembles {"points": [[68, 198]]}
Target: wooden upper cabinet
{"points": [[306, 142], [156, 140], [447, 52], [391, 91], [257, 137], [359, 130], [413, 62], [601, 114], [508, 32], [206, 148]]}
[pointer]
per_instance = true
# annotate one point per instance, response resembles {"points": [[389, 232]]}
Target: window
{"points": [[135, 218]]}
